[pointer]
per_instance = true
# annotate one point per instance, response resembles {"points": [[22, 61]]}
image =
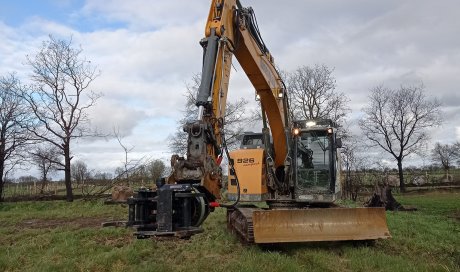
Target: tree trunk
{"points": [[67, 177], [42, 189], [2, 163], [383, 197], [402, 186], [1, 187]]}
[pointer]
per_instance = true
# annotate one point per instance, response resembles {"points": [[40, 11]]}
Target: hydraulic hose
{"points": [[231, 164]]}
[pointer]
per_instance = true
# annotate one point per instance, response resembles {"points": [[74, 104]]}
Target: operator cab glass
{"points": [[252, 140], [313, 161]]}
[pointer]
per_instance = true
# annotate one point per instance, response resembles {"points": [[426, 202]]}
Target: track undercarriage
{"points": [[239, 222]]}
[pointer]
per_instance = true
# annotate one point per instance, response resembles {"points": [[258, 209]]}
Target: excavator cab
{"points": [[317, 160], [316, 165]]}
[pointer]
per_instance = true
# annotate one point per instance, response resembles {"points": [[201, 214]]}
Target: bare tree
{"points": [[80, 172], [446, 155], [127, 164], [396, 121], [102, 176], [457, 147], [14, 120], [60, 97], [27, 179], [156, 169], [312, 94], [234, 119], [46, 158], [353, 164]]}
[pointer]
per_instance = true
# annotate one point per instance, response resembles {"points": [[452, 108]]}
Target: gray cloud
{"points": [[108, 114]]}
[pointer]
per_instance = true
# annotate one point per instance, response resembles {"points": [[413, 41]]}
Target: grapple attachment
{"points": [[171, 210], [327, 224]]}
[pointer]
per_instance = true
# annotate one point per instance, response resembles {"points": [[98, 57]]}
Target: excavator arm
{"points": [[182, 201]]}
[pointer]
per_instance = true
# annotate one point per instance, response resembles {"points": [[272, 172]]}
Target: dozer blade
{"points": [[327, 224]]}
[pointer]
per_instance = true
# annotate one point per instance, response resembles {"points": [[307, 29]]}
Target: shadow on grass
{"points": [[288, 248]]}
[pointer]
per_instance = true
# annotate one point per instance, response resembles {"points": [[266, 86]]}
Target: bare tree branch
{"points": [[312, 94], [60, 97], [46, 158], [446, 154], [15, 120], [126, 150], [396, 121]]}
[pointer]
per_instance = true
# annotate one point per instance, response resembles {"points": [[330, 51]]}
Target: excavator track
{"points": [[239, 222]]}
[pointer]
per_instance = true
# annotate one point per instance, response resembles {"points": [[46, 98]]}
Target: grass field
{"points": [[60, 236]]}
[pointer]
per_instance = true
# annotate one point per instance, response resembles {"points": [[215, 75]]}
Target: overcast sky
{"points": [[148, 50]]}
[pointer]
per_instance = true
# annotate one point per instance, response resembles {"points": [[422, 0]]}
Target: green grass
{"points": [[425, 240], [20, 211]]}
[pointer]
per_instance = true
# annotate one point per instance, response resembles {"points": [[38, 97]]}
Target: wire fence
{"points": [[353, 184], [56, 189], [357, 185]]}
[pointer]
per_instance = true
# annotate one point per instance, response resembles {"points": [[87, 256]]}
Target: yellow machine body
{"points": [[250, 167]]}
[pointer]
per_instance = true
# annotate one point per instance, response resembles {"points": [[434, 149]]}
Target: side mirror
{"points": [[338, 143]]}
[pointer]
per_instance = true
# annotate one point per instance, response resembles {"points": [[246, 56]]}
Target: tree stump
{"points": [[382, 197]]}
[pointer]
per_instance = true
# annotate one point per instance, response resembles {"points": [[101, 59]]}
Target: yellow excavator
{"points": [[292, 167]]}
